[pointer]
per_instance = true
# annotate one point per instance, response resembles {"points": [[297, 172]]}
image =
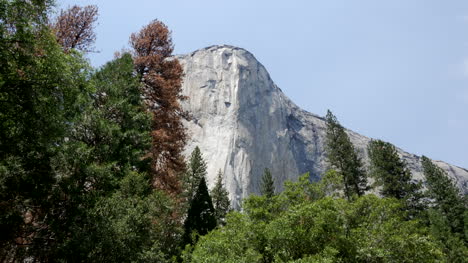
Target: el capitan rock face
{"points": [[243, 122]]}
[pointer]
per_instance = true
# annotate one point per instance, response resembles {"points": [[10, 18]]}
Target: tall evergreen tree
{"points": [[220, 197], [72, 152], [201, 215], [162, 79], [267, 188], [108, 193], [446, 197], [392, 174], [196, 170], [454, 245], [41, 90], [343, 157]]}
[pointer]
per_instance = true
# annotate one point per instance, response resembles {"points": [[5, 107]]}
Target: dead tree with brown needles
{"points": [[161, 75], [74, 28]]}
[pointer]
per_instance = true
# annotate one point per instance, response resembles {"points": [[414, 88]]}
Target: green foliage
{"points": [[453, 245], [368, 229], [220, 197], [305, 230], [343, 157], [267, 188], [139, 224], [308, 222], [331, 184], [448, 216], [196, 170], [110, 208], [201, 215], [264, 209], [118, 121], [122, 227], [381, 233], [41, 91], [232, 243], [446, 196], [72, 153], [388, 169], [391, 173]]}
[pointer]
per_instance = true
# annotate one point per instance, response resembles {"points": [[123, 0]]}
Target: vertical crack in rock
{"points": [[243, 123]]}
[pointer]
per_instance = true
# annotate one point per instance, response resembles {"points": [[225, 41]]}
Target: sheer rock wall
{"points": [[243, 122]]}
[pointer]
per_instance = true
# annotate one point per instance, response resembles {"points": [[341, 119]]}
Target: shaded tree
{"points": [[220, 197], [40, 90], [74, 27], [201, 215], [73, 151], [454, 245], [392, 174], [109, 210], [133, 223], [343, 157], [446, 197], [161, 75], [267, 187], [196, 170]]}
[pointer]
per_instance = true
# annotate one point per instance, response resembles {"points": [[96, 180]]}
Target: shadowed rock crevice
{"points": [[243, 122]]}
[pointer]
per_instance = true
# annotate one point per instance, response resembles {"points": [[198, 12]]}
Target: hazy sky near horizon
{"points": [[395, 70]]}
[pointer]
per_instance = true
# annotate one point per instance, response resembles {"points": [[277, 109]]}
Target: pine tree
{"points": [[73, 152], [454, 245], [41, 89], [267, 188], [220, 197], [392, 174], [196, 170], [343, 157], [201, 215], [103, 192], [161, 75], [446, 196]]}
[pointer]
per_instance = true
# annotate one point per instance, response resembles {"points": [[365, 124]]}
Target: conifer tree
{"points": [[392, 174], [103, 191], [220, 197], [40, 91], [201, 215], [73, 153], [343, 157], [446, 197], [70, 142], [196, 170], [267, 188], [161, 75]]}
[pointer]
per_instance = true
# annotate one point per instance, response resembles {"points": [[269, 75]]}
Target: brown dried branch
{"points": [[162, 79], [74, 28]]}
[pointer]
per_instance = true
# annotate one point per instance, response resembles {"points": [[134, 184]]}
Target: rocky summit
{"points": [[243, 123]]}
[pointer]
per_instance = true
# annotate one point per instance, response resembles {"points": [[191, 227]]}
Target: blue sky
{"points": [[395, 70]]}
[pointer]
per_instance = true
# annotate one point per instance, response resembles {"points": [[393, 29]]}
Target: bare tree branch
{"points": [[74, 28]]}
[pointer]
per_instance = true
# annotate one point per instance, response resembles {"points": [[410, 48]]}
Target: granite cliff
{"points": [[243, 122]]}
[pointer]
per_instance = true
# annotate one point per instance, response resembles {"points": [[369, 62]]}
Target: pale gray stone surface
{"points": [[243, 122]]}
